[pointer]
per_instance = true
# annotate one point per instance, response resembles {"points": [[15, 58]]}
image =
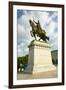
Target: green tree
{"points": [[22, 62]]}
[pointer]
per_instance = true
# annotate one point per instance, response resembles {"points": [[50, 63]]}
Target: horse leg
{"points": [[31, 33], [34, 35], [43, 37]]}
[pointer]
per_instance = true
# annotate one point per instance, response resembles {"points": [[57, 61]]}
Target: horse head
{"points": [[31, 23]]}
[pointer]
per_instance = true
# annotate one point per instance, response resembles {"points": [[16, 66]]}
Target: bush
{"points": [[22, 62], [55, 62]]}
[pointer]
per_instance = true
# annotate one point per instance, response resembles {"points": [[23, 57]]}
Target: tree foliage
{"points": [[22, 62], [55, 62]]}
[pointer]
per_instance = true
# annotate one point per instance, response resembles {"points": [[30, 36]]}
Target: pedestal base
{"points": [[39, 69], [40, 59]]}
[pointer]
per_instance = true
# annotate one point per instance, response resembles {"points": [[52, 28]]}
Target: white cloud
{"points": [[24, 29]]}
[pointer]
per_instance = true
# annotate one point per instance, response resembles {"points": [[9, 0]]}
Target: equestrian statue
{"points": [[37, 31]]}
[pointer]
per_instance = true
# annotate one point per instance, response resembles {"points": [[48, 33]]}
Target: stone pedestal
{"points": [[40, 59]]}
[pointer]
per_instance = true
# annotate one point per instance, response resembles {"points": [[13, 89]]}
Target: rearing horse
{"points": [[38, 32]]}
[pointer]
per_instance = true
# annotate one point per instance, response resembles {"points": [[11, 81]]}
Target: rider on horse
{"points": [[39, 27], [37, 30]]}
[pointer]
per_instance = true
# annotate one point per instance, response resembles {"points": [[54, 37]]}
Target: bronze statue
{"points": [[37, 30]]}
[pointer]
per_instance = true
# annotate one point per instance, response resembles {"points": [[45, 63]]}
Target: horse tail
{"points": [[47, 38]]}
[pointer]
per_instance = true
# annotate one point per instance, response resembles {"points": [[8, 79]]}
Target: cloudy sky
{"points": [[48, 21]]}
